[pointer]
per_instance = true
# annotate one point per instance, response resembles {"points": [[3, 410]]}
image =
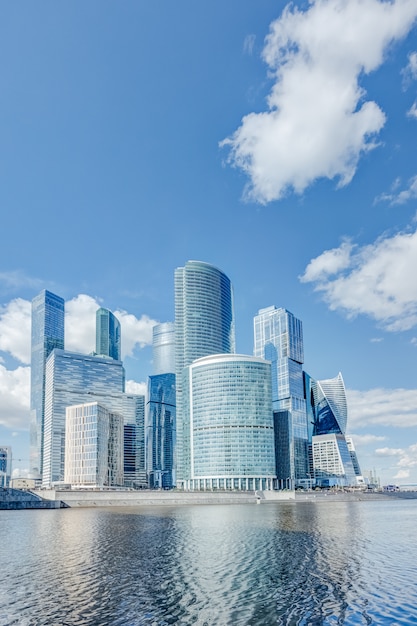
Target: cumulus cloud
{"points": [[15, 329], [135, 388], [382, 407], [318, 123], [14, 397], [406, 459], [377, 280], [410, 71], [364, 440], [412, 112], [136, 332]]}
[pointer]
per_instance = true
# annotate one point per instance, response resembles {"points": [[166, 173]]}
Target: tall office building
{"points": [[47, 334], [108, 337], [161, 430], [71, 379], [228, 424], [279, 339], [163, 346], [332, 460], [93, 446], [352, 451], [204, 325], [134, 442]]}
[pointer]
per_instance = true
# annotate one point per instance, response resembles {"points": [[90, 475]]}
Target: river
{"points": [[305, 563]]}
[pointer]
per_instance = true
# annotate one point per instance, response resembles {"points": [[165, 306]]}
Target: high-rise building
{"points": [[279, 339], [204, 325], [47, 334], [163, 346], [228, 424], [93, 446], [160, 430], [332, 460], [5, 465], [352, 451], [134, 442], [71, 379], [108, 337]]}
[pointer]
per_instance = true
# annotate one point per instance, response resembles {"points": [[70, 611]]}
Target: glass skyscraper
{"points": [[160, 430], [228, 424], [47, 334], [204, 325], [71, 379], [330, 406], [108, 338], [163, 347], [134, 441], [279, 339]]}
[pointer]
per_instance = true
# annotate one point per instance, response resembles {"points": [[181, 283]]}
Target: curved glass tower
{"points": [[108, 339], [229, 424], [163, 348], [204, 325], [330, 406]]}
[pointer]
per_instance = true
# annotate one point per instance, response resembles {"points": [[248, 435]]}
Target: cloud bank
{"points": [[377, 280], [395, 408], [318, 123]]}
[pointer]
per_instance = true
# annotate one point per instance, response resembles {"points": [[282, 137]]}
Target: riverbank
{"points": [[16, 499]]}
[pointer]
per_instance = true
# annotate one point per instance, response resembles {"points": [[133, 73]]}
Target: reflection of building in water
{"points": [[279, 339], [5, 465], [228, 423], [93, 446], [333, 461]]}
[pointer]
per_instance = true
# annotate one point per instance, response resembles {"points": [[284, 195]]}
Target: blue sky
{"points": [[275, 141]]}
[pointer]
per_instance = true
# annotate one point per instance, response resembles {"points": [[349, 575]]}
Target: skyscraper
{"points": [[71, 379], [108, 338], [161, 430], [47, 334], [163, 346], [5, 465], [204, 325], [279, 339], [330, 406]]}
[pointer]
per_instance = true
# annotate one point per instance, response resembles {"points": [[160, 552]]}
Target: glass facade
{"points": [[204, 325], [279, 339], [93, 446], [108, 336], [47, 333], [163, 348], [160, 431], [70, 379], [330, 406], [228, 424], [134, 442]]}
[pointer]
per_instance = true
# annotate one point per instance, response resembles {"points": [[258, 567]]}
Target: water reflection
{"points": [[286, 564]]}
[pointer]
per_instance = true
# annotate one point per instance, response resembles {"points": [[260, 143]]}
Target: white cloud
{"points": [[410, 71], [389, 451], [382, 407], [135, 388], [80, 323], [136, 332], [15, 329], [377, 280], [364, 440], [14, 397], [400, 197], [412, 111], [402, 474], [318, 123], [249, 44]]}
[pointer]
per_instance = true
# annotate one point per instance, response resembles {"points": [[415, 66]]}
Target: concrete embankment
{"points": [[93, 498], [13, 499]]}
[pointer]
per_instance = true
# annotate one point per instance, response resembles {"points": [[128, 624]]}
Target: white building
{"points": [[332, 461], [93, 446]]}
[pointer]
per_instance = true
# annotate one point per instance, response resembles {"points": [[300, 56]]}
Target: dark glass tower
{"points": [[47, 334], [108, 337]]}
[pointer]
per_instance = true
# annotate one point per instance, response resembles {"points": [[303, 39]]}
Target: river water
{"points": [[299, 563]]}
